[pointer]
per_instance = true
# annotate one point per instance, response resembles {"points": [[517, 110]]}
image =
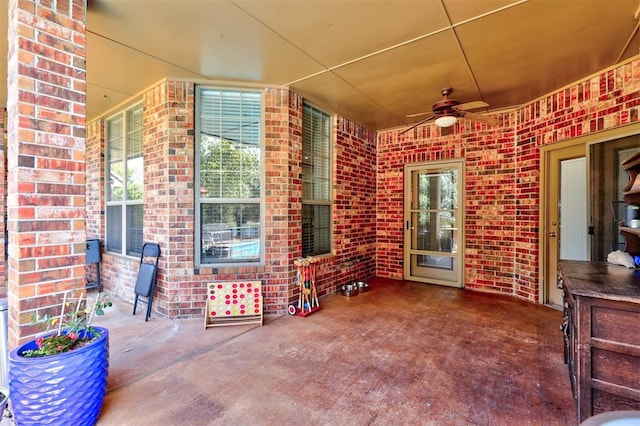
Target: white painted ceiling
{"points": [[373, 61]]}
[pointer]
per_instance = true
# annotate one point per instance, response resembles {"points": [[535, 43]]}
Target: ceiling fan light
{"points": [[446, 121]]}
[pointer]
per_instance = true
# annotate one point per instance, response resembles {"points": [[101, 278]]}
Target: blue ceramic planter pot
{"points": [[63, 389]]}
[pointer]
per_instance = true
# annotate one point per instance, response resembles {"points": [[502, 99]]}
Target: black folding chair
{"points": [[147, 275]]}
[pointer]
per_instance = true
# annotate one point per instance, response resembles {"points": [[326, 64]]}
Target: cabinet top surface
{"points": [[601, 279]]}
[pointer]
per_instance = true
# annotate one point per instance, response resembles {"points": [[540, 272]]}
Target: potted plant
{"points": [[61, 376]]}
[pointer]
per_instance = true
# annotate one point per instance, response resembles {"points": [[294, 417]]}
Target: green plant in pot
{"points": [[61, 377]]}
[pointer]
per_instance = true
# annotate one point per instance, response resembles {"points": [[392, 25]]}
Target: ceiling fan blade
{"points": [[418, 114], [472, 105], [417, 124], [481, 118]]}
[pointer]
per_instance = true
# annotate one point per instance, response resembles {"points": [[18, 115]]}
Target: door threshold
{"points": [[553, 306]]}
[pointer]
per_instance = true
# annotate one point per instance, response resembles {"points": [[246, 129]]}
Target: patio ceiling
{"points": [[373, 61]]}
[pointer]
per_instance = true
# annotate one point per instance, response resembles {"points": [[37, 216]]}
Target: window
{"points": [[125, 178], [316, 182], [228, 176]]}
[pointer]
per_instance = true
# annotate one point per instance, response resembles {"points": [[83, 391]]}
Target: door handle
{"points": [[553, 234]]}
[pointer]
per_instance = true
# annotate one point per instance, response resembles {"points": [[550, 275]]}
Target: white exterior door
{"points": [[433, 223]]}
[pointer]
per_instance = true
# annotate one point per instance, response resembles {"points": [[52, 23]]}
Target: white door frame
{"points": [[410, 254]]}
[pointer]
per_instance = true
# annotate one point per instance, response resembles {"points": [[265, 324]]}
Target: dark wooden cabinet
{"points": [[632, 239], [601, 328]]}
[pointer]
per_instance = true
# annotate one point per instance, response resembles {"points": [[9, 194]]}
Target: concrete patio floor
{"points": [[402, 353]]}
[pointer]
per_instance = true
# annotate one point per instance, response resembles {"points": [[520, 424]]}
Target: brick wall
{"points": [[602, 102], [168, 153], [46, 158], [168, 149], [354, 214], [169, 215], [502, 191]]}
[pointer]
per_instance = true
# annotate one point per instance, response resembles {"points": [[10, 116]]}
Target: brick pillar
{"points": [[168, 193], [46, 157], [294, 194]]}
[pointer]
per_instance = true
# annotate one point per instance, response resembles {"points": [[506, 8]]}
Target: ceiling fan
{"points": [[447, 111]]}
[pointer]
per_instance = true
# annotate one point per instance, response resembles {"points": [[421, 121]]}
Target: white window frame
{"points": [[201, 245], [127, 247], [317, 201]]}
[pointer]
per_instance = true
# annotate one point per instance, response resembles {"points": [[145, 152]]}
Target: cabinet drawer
{"points": [[621, 324], [618, 369], [604, 401]]}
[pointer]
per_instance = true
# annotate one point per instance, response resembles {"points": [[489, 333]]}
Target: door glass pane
{"points": [[444, 263], [573, 210], [435, 231], [433, 222]]}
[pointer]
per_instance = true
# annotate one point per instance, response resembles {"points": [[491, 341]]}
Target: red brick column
{"points": [[168, 193], [46, 157], [95, 197]]}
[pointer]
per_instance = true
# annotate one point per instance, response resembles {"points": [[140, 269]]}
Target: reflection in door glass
{"points": [[436, 231]]}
